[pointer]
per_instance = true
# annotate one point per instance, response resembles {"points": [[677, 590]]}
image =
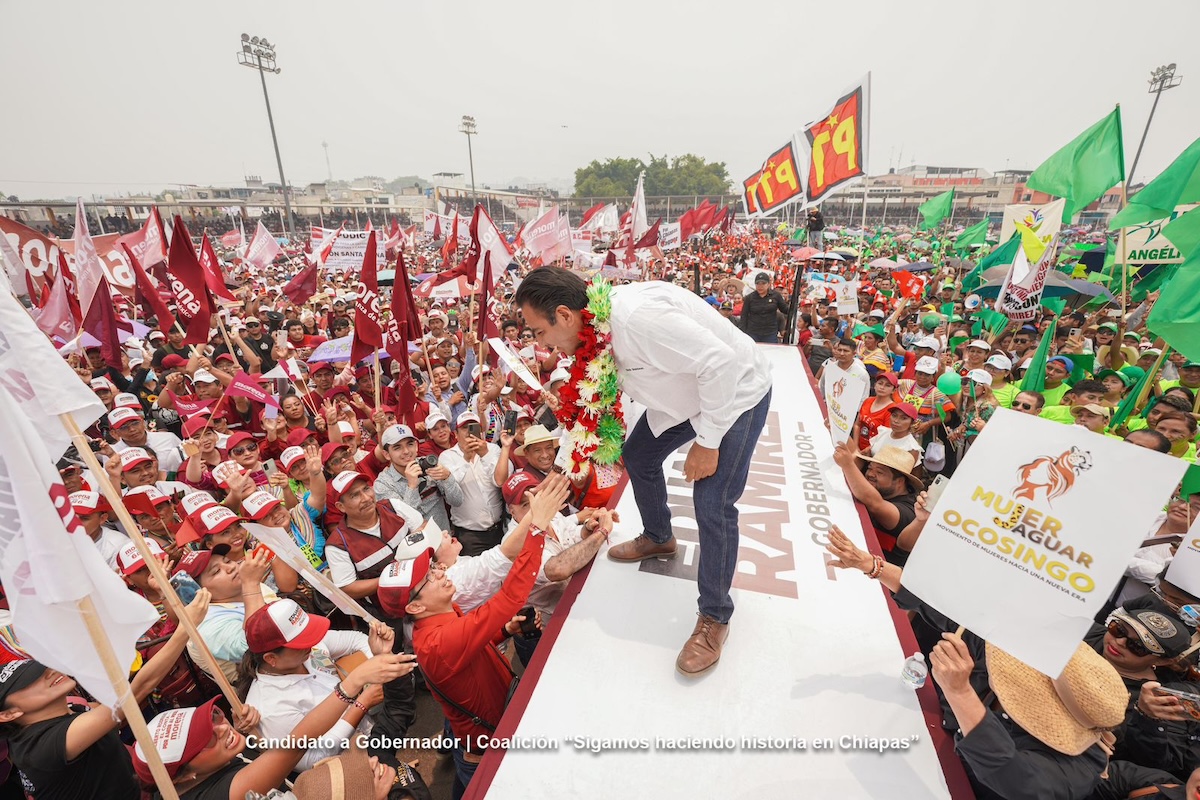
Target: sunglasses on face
{"points": [[1133, 644], [1023, 406], [244, 449]]}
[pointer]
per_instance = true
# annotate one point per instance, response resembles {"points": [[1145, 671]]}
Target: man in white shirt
{"points": [[702, 381], [130, 429], [472, 462], [843, 357]]}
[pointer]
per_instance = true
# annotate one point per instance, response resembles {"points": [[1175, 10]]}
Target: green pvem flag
{"points": [[1176, 185], [1004, 255], [1035, 376], [976, 234], [1086, 168], [935, 209], [1128, 404], [1176, 315], [1184, 233]]}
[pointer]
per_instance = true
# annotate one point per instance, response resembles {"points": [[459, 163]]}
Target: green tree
{"points": [[686, 174]]}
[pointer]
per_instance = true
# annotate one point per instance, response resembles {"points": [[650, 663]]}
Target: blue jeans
{"points": [[715, 497], [463, 772]]}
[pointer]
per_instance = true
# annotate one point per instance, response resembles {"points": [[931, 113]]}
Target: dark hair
{"points": [[1041, 399], [1176, 403], [1161, 443], [846, 342], [291, 323], [1096, 387], [547, 288], [510, 323], [1188, 393], [248, 671]]}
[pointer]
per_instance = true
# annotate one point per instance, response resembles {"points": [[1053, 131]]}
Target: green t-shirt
{"points": [[1054, 396], [1138, 423], [1006, 394], [1058, 414]]}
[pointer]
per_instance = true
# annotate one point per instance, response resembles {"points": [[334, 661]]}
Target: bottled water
{"points": [[915, 672]]}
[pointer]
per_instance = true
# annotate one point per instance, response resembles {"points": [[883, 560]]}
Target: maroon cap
{"points": [[399, 579], [517, 484], [179, 735], [342, 482], [329, 448], [298, 437], [907, 409], [284, 624], [237, 438], [172, 361]]}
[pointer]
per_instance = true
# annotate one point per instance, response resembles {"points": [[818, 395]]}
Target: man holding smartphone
{"points": [[472, 463], [420, 481]]}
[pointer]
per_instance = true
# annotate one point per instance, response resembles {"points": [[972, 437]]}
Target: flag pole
{"points": [[153, 564], [119, 679], [378, 380]]}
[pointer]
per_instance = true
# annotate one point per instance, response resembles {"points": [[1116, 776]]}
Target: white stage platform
{"points": [[807, 700]]}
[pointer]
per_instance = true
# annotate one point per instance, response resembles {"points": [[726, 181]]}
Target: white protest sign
{"points": [[514, 362], [1027, 542], [1184, 570], [847, 297], [845, 397], [349, 249]]}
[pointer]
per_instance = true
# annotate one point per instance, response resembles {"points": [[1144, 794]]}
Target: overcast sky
{"points": [[129, 95]]}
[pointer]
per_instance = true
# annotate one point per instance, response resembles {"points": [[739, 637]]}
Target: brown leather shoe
{"points": [[641, 548], [702, 651]]}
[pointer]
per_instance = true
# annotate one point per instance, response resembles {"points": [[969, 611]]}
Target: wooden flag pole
{"points": [[118, 677], [378, 381], [153, 564], [225, 335]]}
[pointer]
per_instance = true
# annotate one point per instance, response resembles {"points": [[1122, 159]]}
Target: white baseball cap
{"points": [[999, 361], [928, 342], [435, 416], [204, 376], [981, 344], [395, 435], [928, 364], [980, 376]]}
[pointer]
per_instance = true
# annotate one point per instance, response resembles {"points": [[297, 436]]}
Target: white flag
{"points": [[263, 248], [88, 269], [1021, 295], [40, 380], [637, 213], [48, 564]]}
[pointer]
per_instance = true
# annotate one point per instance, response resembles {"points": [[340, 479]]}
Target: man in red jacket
{"points": [[457, 652]]}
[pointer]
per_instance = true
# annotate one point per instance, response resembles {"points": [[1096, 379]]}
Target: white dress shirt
{"points": [[482, 503], [476, 579], [682, 360], [284, 700]]}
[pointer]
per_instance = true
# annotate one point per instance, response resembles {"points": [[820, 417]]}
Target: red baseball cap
{"points": [[144, 499], [338, 390], [317, 366], [129, 558], [172, 361], [123, 416], [516, 486], [196, 424], [132, 457], [397, 582], [88, 502], [342, 482], [194, 562], [237, 438], [215, 519], [258, 504], [299, 436], [193, 503], [291, 457], [179, 735], [284, 624], [329, 448]]}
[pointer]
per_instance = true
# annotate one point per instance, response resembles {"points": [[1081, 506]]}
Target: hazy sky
{"points": [[128, 95]]}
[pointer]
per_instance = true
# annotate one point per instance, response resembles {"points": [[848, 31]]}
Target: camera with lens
{"points": [[427, 463]]}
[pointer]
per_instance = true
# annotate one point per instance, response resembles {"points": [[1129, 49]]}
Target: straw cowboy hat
{"points": [[900, 460], [1067, 713], [536, 434]]}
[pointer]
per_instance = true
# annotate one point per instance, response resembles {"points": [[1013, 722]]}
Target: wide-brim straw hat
{"points": [[343, 777], [1067, 713], [900, 460]]}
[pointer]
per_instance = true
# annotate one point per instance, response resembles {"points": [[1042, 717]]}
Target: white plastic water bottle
{"points": [[915, 672]]}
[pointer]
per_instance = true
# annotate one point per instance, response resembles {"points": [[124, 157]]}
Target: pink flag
{"points": [[55, 318], [232, 239], [542, 234], [88, 270], [244, 385], [149, 244], [263, 248], [190, 408]]}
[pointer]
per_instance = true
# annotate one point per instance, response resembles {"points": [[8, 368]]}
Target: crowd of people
{"points": [[448, 519]]}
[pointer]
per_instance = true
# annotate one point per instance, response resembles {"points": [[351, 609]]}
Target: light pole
{"points": [[257, 53], [468, 127], [1161, 79]]}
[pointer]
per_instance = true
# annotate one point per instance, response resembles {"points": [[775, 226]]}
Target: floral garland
{"points": [[590, 401]]}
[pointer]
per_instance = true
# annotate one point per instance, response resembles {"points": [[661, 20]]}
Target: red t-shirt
{"points": [[870, 421]]}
